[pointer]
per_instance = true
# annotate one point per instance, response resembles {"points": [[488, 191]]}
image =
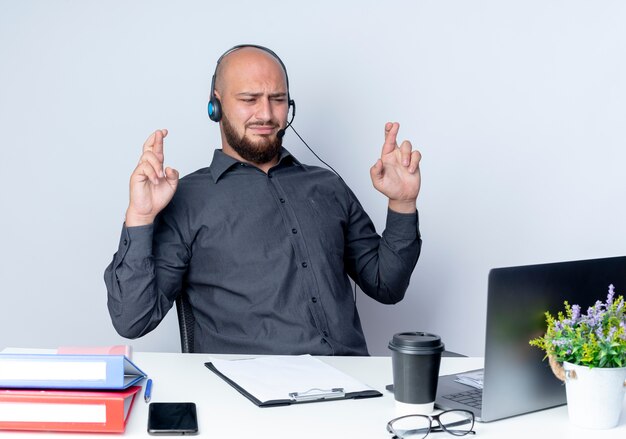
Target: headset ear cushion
{"points": [[215, 109]]}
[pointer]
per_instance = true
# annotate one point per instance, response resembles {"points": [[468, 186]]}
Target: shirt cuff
{"points": [[136, 242], [403, 225]]}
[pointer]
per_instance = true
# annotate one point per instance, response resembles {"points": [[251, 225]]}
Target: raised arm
{"points": [[382, 265], [140, 293]]}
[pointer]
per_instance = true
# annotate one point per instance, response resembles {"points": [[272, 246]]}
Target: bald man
{"points": [[262, 245]]}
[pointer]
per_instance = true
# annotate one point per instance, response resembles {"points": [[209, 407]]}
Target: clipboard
{"points": [[284, 380]]}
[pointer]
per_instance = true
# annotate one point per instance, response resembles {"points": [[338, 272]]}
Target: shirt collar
{"points": [[222, 162]]}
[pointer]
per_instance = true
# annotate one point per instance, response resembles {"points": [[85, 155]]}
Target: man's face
{"points": [[253, 94]]}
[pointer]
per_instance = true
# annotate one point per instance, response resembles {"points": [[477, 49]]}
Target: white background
{"points": [[518, 107]]}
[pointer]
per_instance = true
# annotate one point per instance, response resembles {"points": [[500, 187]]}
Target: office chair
{"points": [[186, 322]]}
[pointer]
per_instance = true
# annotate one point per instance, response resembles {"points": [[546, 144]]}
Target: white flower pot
{"points": [[595, 396]]}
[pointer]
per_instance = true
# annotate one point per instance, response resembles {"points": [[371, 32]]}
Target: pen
{"points": [[148, 391]]}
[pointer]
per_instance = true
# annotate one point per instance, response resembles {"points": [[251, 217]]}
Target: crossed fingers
{"points": [[152, 158], [408, 158]]}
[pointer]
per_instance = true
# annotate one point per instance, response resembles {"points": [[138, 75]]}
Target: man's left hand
{"points": [[397, 174]]}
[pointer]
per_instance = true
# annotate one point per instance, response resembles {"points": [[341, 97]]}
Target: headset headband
{"points": [[256, 46]]}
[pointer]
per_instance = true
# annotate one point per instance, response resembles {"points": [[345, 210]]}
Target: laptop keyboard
{"points": [[472, 398]]}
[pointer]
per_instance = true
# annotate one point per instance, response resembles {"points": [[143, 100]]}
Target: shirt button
{"points": [[314, 299], [125, 242], [282, 200], [304, 264], [294, 231], [325, 333], [269, 176]]}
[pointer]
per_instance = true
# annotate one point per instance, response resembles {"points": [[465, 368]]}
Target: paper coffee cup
{"points": [[416, 357]]}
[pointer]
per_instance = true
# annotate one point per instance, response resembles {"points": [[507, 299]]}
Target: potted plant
{"points": [[588, 352]]}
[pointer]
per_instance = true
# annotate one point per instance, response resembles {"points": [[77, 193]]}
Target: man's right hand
{"points": [[151, 187]]}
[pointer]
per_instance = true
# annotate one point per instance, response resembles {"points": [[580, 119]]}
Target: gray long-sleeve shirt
{"points": [[264, 259]]}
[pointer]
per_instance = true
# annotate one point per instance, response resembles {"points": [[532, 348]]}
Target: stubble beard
{"points": [[263, 151]]}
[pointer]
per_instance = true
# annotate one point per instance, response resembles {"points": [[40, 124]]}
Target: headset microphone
{"points": [[281, 132]]}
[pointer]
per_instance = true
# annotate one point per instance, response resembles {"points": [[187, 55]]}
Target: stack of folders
{"points": [[67, 392]]}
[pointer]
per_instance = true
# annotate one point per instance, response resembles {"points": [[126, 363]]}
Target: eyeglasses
{"points": [[455, 422]]}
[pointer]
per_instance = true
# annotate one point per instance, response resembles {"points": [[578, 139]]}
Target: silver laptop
{"points": [[516, 380]]}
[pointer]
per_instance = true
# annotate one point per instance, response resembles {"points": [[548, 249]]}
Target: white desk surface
{"points": [[224, 413]]}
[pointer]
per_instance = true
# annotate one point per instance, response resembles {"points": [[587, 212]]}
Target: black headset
{"points": [[215, 106]]}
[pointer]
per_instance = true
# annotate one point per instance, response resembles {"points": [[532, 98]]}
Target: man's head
{"points": [[252, 88]]}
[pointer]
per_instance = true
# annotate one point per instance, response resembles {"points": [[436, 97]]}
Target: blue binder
{"points": [[56, 371]]}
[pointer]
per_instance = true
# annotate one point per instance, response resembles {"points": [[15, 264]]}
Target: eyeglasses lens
{"points": [[457, 422], [411, 427]]}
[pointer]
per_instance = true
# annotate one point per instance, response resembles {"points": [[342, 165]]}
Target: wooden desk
{"points": [[224, 413]]}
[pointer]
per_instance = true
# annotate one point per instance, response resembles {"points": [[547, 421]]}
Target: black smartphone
{"points": [[170, 418]]}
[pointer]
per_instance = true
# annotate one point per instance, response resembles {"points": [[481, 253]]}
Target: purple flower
{"points": [[591, 321], [598, 306], [599, 333], [575, 313], [609, 297]]}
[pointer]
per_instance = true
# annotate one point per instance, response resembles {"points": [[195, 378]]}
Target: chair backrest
{"points": [[186, 322]]}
